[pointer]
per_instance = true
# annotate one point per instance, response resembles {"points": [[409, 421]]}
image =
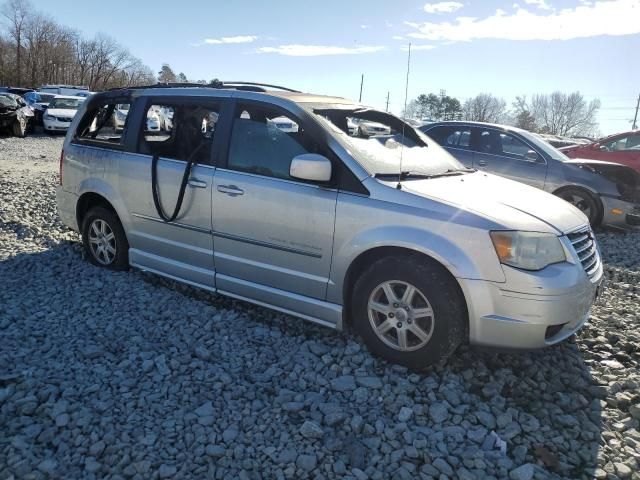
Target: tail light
{"points": [[61, 161]]}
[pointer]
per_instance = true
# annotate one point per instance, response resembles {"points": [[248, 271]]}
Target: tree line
{"points": [[557, 113], [167, 75], [35, 50]]}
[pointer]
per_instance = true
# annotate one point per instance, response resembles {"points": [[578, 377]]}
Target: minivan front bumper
{"points": [[531, 309]]}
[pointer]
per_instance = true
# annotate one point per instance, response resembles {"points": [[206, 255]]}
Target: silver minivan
{"points": [[388, 234]]}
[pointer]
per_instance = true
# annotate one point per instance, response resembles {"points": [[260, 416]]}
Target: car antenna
{"points": [[404, 113]]}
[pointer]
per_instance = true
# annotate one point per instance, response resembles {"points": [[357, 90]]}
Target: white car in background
{"points": [[120, 117], [166, 116], [352, 126], [368, 129], [285, 124], [84, 94], [60, 112], [153, 121]]}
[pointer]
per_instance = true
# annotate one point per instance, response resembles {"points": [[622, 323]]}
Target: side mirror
{"points": [[531, 156], [312, 167], [602, 148]]}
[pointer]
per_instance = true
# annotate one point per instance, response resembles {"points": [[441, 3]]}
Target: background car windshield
{"points": [[381, 153], [6, 101], [65, 103]]}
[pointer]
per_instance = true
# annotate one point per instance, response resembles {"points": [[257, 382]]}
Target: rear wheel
{"points": [[583, 201], [20, 127], [104, 240], [409, 311]]}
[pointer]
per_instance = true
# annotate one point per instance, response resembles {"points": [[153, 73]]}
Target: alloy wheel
{"points": [[400, 315], [102, 242], [579, 202]]}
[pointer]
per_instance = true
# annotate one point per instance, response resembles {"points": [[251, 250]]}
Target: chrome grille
{"points": [[585, 246]]}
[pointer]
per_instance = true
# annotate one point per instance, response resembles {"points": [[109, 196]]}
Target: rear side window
{"points": [[502, 144], [105, 123], [456, 137], [179, 131]]}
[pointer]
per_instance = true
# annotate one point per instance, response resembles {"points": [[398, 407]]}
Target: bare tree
{"points": [[565, 114], [16, 12], [484, 108], [35, 50], [522, 117]]}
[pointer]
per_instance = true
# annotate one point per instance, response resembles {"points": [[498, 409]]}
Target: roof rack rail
{"points": [[249, 86]]}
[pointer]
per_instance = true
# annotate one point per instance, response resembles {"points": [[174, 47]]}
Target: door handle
{"points": [[482, 163], [195, 183], [230, 190]]}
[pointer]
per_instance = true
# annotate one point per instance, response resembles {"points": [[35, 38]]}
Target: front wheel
{"points": [[409, 311], [584, 202], [104, 240]]}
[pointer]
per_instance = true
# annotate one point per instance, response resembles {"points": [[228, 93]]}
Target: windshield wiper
{"points": [[421, 176]]}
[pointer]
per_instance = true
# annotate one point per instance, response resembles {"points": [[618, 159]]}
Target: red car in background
{"points": [[621, 148]]}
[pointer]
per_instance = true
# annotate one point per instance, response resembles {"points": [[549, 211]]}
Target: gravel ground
{"points": [[125, 375]]}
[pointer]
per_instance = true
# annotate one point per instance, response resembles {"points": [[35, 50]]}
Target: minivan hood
{"points": [[513, 205]]}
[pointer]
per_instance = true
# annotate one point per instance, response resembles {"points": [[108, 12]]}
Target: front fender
{"points": [[469, 255], [574, 176]]}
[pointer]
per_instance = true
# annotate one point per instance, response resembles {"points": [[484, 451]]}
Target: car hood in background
{"points": [[512, 204], [573, 147], [626, 178], [61, 112]]}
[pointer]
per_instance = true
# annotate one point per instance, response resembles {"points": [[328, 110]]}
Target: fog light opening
{"points": [[553, 330]]}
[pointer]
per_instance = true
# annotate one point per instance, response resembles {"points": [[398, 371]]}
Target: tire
{"points": [[97, 240], [583, 201], [20, 127], [437, 309]]}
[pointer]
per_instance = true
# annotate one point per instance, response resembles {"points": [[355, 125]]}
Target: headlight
{"points": [[48, 117], [527, 250]]}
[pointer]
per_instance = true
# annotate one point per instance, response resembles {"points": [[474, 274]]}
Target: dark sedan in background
{"points": [[607, 193], [15, 116]]}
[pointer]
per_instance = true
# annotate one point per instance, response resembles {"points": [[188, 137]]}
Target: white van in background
{"points": [[70, 90]]}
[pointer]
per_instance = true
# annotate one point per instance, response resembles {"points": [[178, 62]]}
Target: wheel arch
{"points": [[88, 200], [592, 193], [366, 258]]}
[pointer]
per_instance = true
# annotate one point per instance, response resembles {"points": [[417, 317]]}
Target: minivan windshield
{"points": [[379, 140], [66, 103]]}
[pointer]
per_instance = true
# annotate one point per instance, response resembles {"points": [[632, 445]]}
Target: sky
{"points": [[465, 47]]}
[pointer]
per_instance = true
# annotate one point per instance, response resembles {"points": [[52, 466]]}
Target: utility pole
{"points": [[443, 110], [361, 83], [387, 109], [635, 118]]}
